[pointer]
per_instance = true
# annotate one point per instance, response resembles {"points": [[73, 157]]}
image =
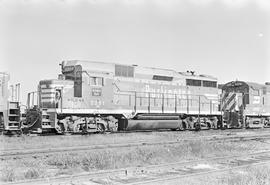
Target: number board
{"points": [[96, 92], [68, 69]]}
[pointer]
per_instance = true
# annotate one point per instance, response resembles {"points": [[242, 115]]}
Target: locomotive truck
{"points": [[91, 96]]}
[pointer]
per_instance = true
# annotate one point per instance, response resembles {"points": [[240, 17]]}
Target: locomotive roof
{"points": [[252, 85], [258, 86], [109, 67]]}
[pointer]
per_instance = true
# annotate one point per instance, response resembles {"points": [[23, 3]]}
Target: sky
{"points": [[228, 39]]}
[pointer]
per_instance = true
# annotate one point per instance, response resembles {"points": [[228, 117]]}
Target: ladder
{"points": [[13, 123]]}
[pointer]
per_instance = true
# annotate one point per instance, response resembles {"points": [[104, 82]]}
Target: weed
{"points": [[112, 158], [253, 176], [32, 173], [8, 175]]}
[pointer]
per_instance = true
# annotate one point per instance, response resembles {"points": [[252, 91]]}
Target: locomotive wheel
{"points": [[208, 126], [197, 126], [100, 128], [183, 126], [60, 128], [115, 128]]}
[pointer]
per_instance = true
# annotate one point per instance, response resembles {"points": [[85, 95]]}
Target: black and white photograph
{"points": [[134, 92]]}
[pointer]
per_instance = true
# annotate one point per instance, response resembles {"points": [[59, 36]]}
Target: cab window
{"points": [[97, 81]]}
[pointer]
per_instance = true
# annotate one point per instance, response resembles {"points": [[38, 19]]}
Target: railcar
{"points": [[246, 104], [9, 106], [91, 96]]}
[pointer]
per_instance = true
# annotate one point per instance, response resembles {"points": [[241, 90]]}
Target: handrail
{"points": [[176, 97], [172, 94]]}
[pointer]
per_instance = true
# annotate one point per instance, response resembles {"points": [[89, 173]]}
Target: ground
{"points": [[68, 163]]}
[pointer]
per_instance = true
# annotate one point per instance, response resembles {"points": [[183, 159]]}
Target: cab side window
{"points": [[96, 81]]}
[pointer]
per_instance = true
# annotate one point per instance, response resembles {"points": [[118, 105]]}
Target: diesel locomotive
{"points": [[91, 96], [245, 104]]}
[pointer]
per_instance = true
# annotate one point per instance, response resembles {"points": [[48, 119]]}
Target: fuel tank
{"points": [[153, 124]]}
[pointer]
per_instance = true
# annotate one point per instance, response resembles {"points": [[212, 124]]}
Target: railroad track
{"points": [[34, 152], [159, 174], [224, 131], [212, 133], [200, 168]]}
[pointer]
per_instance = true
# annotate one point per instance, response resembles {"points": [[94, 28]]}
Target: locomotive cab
{"points": [[70, 103]]}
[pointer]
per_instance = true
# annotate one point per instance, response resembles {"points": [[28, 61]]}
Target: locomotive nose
{"points": [[47, 94]]}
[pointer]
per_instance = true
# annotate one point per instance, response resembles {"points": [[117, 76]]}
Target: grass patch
{"points": [[139, 156], [8, 175], [258, 175], [70, 163], [32, 173], [250, 176], [25, 142]]}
